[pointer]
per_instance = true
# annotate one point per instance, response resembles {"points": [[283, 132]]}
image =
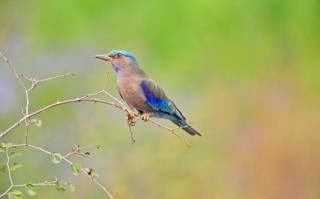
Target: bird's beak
{"points": [[103, 57]]}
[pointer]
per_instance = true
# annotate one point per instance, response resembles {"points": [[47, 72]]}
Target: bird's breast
{"points": [[132, 94]]}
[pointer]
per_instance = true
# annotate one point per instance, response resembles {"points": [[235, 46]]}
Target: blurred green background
{"points": [[246, 73]]}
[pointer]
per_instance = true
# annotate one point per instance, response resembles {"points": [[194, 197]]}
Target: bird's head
{"points": [[120, 60]]}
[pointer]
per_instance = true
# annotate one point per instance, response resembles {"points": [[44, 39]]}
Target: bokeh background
{"points": [[246, 73]]}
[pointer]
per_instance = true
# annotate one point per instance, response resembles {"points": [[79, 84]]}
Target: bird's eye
{"points": [[118, 55]]}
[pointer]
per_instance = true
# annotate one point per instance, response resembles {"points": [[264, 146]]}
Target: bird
{"points": [[142, 93]]}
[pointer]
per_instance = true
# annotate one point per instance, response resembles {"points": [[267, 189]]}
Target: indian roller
{"points": [[141, 93]]}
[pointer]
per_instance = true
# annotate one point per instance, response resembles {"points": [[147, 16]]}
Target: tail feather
{"points": [[185, 126]]}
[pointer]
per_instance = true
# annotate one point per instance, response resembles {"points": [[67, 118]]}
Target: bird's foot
{"points": [[130, 118], [146, 117]]}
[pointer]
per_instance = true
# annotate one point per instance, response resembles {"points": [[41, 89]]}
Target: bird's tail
{"points": [[185, 126]]}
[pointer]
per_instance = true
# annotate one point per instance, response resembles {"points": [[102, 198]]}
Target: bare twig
{"points": [[35, 82], [26, 91], [78, 149], [45, 183], [82, 99], [13, 70], [131, 134], [8, 166], [122, 104], [171, 130], [102, 187]]}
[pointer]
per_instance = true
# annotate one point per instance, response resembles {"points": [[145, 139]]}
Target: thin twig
{"points": [[27, 127], [83, 99], [35, 82], [26, 91], [102, 187], [13, 70], [9, 173], [78, 148], [45, 183], [122, 104], [8, 166], [131, 134], [172, 131]]}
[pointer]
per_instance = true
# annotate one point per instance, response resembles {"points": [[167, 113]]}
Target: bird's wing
{"points": [[157, 99]]}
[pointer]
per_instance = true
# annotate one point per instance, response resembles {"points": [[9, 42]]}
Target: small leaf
{"points": [[14, 154], [15, 166], [38, 122], [75, 168], [31, 189], [2, 149], [6, 145], [72, 187], [3, 168], [59, 187], [56, 157], [86, 154], [91, 172], [15, 194], [62, 190]]}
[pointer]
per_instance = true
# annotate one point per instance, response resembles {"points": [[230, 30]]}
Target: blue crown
{"points": [[125, 53]]}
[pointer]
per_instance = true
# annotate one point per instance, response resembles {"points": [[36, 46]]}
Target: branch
{"points": [[82, 99], [35, 82]]}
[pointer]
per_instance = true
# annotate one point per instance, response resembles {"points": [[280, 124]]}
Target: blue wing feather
{"points": [[155, 96], [157, 99], [163, 106]]}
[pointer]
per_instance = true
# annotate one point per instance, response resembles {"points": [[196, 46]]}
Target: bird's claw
{"points": [[130, 118], [146, 117]]}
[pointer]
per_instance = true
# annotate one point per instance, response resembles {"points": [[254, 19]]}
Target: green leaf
{"points": [[31, 189], [2, 149], [62, 190], [75, 168], [56, 157], [59, 187], [37, 122], [14, 154], [72, 187], [3, 168], [15, 194], [6, 145], [91, 172], [15, 166]]}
